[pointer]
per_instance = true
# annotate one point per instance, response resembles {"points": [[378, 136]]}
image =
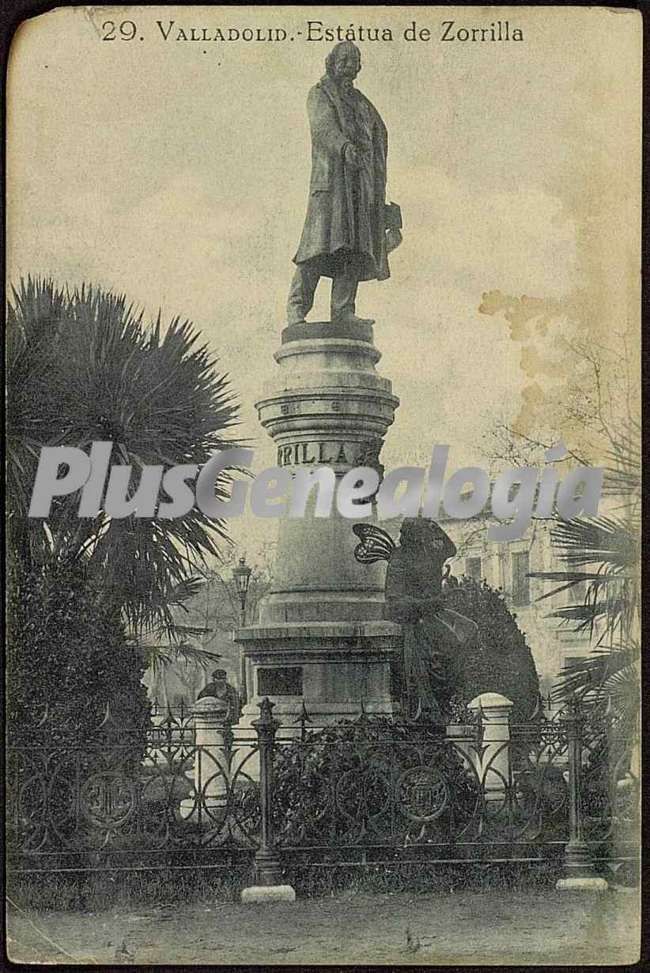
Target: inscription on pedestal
{"points": [[290, 408], [324, 453]]}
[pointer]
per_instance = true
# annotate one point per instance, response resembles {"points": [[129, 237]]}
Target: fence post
{"points": [[268, 870], [243, 682], [579, 868], [211, 761], [493, 761]]}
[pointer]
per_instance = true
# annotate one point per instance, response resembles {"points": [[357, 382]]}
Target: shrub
{"points": [[68, 651], [347, 781], [500, 660]]}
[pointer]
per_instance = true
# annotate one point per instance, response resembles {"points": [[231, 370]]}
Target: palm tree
{"points": [[602, 554], [82, 366]]}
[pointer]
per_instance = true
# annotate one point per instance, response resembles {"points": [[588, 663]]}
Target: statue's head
{"points": [[343, 62], [426, 535], [412, 531], [219, 676]]}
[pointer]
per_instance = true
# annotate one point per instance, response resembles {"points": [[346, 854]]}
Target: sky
{"points": [[177, 172]]}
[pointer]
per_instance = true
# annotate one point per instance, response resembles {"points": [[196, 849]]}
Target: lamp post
{"points": [[242, 576]]}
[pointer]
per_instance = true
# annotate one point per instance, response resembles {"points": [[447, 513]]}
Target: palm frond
{"points": [[160, 657], [623, 474], [602, 617], [623, 684], [603, 554], [570, 579], [604, 540], [84, 367], [597, 673]]}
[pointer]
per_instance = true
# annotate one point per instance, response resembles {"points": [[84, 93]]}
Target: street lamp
{"points": [[242, 576]]}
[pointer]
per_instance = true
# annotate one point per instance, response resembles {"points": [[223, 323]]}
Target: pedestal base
{"points": [[593, 884], [335, 670], [579, 869], [268, 893]]}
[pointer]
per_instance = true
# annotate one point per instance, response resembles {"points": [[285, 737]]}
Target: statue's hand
{"points": [[393, 239], [393, 217]]}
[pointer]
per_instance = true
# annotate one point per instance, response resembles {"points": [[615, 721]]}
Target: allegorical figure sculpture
{"points": [[349, 229], [414, 583]]}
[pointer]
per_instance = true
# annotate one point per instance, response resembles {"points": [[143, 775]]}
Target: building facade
{"points": [[505, 565]]}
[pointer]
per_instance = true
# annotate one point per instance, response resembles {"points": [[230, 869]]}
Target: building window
{"points": [[473, 568], [520, 581]]}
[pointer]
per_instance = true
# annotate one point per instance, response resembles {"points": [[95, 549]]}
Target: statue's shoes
{"points": [[352, 319]]}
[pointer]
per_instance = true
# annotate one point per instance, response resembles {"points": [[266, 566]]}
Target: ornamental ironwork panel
{"points": [[180, 791], [121, 794], [400, 785]]}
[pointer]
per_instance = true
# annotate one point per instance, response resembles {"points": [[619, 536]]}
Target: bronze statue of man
{"points": [[349, 229]]}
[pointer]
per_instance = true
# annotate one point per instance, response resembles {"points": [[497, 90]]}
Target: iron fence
{"points": [[115, 799], [374, 790]]}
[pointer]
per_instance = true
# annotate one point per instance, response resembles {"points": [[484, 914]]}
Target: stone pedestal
{"points": [[322, 639]]}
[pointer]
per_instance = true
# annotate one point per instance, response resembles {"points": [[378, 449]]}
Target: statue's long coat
{"points": [[346, 209]]}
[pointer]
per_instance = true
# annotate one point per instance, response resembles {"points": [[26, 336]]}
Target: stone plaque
{"points": [[280, 681]]}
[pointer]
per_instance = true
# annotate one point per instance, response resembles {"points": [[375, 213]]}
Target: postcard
{"points": [[323, 476]]}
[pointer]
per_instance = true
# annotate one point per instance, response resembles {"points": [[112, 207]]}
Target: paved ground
{"points": [[490, 928]]}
